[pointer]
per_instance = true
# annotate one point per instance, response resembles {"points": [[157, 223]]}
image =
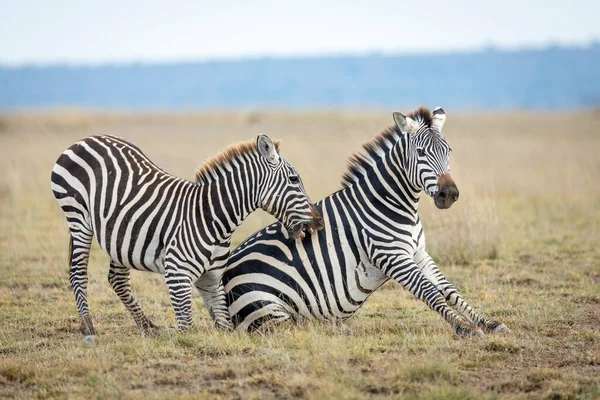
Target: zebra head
{"points": [[426, 155], [282, 193]]}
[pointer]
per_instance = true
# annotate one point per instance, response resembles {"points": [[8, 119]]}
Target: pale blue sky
{"points": [[94, 32]]}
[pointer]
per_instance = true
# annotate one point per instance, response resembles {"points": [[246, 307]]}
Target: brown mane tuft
{"points": [[207, 171], [422, 115]]}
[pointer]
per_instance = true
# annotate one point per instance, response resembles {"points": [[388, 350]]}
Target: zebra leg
{"points": [[342, 327], [265, 318], [404, 271], [213, 294], [79, 252], [119, 279], [180, 292], [452, 296]]}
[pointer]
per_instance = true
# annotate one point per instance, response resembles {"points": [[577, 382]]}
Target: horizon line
{"points": [[484, 48]]}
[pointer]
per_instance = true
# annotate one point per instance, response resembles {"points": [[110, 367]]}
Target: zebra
{"points": [[150, 220], [372, 233]]}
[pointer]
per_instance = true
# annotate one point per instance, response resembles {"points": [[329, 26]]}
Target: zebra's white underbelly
{"points": [[368, 279]]}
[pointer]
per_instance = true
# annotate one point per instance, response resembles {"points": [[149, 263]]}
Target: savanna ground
{"points": [[522, 244]]}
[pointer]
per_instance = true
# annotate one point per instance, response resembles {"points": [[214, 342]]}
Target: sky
{"points": [[116, 31]]}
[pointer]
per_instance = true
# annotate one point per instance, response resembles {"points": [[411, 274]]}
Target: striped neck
{"points": [[231, 194], [385, 184]]}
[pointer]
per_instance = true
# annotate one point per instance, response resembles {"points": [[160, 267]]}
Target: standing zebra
{"points": [[372, 233], [147, 219]]}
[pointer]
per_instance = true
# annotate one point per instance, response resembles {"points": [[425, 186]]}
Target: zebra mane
{"points": [[209, 169], [422, 115], [361, 162]]}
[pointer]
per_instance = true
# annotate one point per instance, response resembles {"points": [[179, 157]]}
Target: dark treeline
{"points": [[549, 78]]}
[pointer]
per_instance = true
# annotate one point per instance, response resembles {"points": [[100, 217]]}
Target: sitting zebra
{"points": [[372, 233], [147, 219]]}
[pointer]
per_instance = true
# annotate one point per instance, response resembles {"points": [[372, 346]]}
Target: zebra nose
{"points": [[449, 194]]}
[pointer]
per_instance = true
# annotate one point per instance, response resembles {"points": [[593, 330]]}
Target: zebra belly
{"points": [[125, 231], [133, 242], [132, 254], [368, 279]]}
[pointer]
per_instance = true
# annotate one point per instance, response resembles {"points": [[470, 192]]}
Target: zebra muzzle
{"points": [[314, 224], [299, 231], [447, 192]]}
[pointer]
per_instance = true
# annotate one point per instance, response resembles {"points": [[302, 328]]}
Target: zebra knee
{"points": [[452, 297], [118, 277]]}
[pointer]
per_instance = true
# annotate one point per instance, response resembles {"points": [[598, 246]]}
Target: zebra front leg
{"points": [[452, 296], [180, 292], [119, 279], [79, 252], [404, 271], [213, 294]]}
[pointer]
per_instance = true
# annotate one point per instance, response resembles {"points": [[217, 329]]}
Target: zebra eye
{"points": [[294, 179], [421, 152]]}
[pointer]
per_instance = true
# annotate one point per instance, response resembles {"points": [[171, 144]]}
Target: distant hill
{"points": [[550, 78]]}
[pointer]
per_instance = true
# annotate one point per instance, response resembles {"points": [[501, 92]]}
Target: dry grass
{"points": [[521, 243]]}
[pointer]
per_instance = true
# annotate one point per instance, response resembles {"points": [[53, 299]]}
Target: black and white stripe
{"points": [[372, 233], [147, 219]]}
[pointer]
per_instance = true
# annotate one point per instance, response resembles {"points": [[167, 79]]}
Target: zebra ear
{"points": [[267, 148], [404, 123], [439, 117]]}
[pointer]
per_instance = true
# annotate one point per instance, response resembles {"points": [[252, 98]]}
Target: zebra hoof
{"points": [[502, 328], [88, 331], [479, 333], [345, 330], [150, 332], [468, 331], [87, 327], [148, 328], [89, 339], [224, 327]]}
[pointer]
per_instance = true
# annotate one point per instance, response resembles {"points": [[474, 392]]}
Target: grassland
{"points": [[522, 244]]}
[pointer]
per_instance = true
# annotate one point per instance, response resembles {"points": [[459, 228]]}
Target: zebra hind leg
{"points": [[79, 252], [119, 279], [268, 324], [265, 317]]}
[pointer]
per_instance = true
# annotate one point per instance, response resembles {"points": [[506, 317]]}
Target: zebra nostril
{"points": [[442, 194]]}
